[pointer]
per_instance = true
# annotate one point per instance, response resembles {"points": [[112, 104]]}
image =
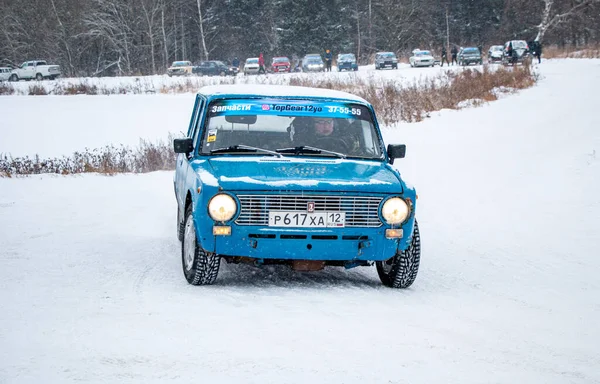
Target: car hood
{"points": [[252, 173], [424, 57]]}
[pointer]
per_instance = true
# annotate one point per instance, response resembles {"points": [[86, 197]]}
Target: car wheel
{"points": [[39, 77], [401, 270], [14, 77], [199, 267], [356, 69], [395, 67]]}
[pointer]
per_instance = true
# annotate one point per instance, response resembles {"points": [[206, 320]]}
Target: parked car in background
{"points": [[386, 59], [251, 66], [180, 68], [421, 59], [5, 73], [213, 68], [313, 62], [242, 193], [469, 55], [35, 69], [495, 54], [515, 52], [346, 61], [280, 64]]}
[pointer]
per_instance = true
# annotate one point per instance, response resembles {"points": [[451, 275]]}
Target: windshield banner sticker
{"points": [[288, 108]]}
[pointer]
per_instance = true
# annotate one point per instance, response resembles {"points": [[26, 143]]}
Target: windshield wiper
{"points": [[244, 148], [309, 149]]}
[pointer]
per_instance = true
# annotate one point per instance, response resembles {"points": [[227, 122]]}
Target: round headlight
{"points": [[395, 210], [222, 207]]}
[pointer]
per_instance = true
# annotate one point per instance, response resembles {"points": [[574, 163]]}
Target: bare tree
{"points": [[202, 37], [110, 22], [150, 9], [551, 18]]}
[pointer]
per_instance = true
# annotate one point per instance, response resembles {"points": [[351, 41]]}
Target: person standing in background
{"points": [[261, 64], [454, 52], [444, 56], [328, 60]]}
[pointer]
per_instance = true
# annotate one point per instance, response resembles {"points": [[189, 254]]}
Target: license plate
{"points": [[307, 220]]}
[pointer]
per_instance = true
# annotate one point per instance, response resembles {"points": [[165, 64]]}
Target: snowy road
{"points": [[91, 287]]}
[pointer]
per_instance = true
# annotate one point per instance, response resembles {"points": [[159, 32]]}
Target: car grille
{"points": [[361, 211]]}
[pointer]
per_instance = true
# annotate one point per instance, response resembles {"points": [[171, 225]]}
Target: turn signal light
{"points": [[223, 230], [394, 233]]}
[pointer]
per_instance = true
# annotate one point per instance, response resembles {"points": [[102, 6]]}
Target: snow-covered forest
{"points": [[134, 37]]}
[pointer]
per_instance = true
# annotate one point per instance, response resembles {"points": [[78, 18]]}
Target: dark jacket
{"points": [[454, 51]]}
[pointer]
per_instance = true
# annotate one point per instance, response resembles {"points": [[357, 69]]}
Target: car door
{"points": [[28, 68], [182, 165], [212, 69]]}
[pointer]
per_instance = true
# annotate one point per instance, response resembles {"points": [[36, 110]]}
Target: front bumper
{"points": [[368, 244], [347, 66], [281, 69], [423, 63]]}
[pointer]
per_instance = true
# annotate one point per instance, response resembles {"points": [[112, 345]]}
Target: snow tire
{"points": [[401, 270], [199, 266]]}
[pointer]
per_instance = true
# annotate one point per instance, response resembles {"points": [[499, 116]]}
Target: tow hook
{"points": [[363, 244]]}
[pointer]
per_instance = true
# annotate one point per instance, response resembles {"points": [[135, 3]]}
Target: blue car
{"points": [[291, 175], [346, 61]]}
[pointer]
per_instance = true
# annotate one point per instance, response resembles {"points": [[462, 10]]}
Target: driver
{"points": [[325, 133]]}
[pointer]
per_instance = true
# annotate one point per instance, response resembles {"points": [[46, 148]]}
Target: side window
{"points": [[197, 123]]}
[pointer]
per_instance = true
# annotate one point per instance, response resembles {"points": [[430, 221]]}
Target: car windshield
{"points": [[496, 48], [180, 64], [519, 44], [313, 60], [252, 61], [347, 57], [281, 60], [388, 55], [471, 50], [423, 53], [290, 128]]}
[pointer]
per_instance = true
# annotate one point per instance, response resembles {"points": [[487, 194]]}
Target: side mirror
{"points": [[183, 145], [396, 151]]}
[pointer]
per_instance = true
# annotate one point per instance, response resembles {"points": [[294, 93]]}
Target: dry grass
{"points": [[6, 89], [108, 160], [395, 102], [555, 52]]}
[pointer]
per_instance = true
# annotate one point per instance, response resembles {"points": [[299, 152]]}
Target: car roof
{"points": [[285, 91], [252, 58], [384, 53]]}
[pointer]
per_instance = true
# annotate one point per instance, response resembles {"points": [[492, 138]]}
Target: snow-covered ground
{"points": [[91, 288]]}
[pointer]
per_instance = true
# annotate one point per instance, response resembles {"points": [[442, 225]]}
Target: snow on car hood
{"points": [[317, 174]]}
